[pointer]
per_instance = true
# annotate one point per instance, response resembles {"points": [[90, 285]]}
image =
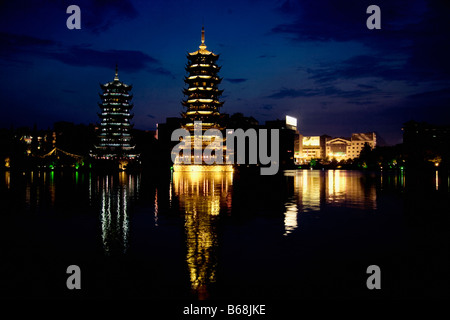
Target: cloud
{"points": [[14, 46], [365, 86], [237, 80], [442, 93], [151, 116], [129, 60], [292, 93], [267, 107], [414, 32], [329, 20], [329, 91], [366, 66]]}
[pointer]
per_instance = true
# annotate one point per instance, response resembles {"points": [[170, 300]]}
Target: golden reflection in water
{"points": [[437, 180], [8, 179], [290, 217], [350, 188], [313, 188], [201, 195], [115, 192]]}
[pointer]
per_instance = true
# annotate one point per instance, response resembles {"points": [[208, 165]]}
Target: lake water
{"points": [[192, 235]]}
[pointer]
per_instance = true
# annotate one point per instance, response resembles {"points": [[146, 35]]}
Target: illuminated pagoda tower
{"points": [[202, 104], [114, 140]]}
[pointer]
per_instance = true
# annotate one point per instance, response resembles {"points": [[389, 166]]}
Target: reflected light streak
{"points": [[115, 196], [8, 179], [437, 180], [52, 187], [290, 218], [313, 188], [201, 195]]}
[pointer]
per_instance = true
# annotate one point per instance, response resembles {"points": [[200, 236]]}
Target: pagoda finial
{"points": [[117, 73], [203, 46], [203, 34]]}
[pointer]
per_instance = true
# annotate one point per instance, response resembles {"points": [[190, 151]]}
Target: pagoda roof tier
{"points": [[117, 124], [203, 95], [202, 106], [204, 99], [202, 77], [118, 95], [199, 54], [200, 102], [115, 105], [190, 114], [203, 90], [115, 114], [211, 68], [201, 72], [189, 125], [200, 64], [203, 112], [124, 103], [208, 79], [206, 119], [116, 85], [190, 107]]}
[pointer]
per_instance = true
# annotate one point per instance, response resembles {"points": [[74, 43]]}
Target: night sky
{"points": [[315, 60]]}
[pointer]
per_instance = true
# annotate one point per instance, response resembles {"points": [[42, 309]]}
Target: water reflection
{"points": [[156, 208], [115, 193], [437, 180], [52, 187], [290, 216], [313, 189], [8, 179], [201, 196]]}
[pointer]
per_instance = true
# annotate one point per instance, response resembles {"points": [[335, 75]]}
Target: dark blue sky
{"points": [[315, 60]]}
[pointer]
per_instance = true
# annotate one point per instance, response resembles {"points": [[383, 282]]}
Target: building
{"points": [[164, 137], [422, 134], [202, 104], [425, 143], [309, 149], [338, 148], [358, 141], [114, 138], [349, 148], [289, 138]]}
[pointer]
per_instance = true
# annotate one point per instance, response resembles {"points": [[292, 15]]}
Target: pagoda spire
{"points": [[203, 45], [116, 78]]}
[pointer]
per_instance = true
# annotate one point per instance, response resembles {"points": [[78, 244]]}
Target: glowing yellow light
{"points": [[201, 195], [291, 121], [202, 168], [199, 112], [200, 88], [197, 76], [200, 100]]}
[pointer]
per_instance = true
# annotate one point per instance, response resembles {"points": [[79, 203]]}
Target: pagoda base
{"points": [[203, 168]]}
